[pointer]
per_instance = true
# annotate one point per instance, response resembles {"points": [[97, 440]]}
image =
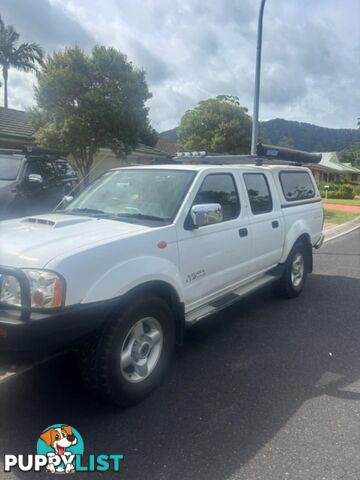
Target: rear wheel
{"points": [[130, 359], [293, 280]]}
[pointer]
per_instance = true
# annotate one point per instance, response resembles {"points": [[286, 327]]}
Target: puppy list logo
{"points": [[60, 449], [60, 444]]}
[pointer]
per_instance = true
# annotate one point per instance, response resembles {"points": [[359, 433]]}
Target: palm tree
{"points": [[26, 57]]}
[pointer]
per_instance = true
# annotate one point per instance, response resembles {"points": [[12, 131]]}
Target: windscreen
{"points": [[136, 193]]}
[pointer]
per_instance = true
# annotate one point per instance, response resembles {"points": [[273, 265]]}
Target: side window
{"points": [[296, 185], [48, 170], [220, 188], [33, 167], [64, 168], [258, 192]]}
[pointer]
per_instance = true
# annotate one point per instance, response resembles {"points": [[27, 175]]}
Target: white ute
{"points": [[145, 251]]}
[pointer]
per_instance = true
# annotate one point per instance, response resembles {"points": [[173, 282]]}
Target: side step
{"points": [[223, 302]]}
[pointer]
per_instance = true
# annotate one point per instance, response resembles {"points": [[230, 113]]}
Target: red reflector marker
{"points": [[162, 244]]}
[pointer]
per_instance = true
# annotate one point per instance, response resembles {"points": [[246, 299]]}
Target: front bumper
{"points": [[27, 334]]}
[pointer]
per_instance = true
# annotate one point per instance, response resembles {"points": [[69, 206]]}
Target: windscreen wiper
{"points": [[112, 216], [90, 211]]}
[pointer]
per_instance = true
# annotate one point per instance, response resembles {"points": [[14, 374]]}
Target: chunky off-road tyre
{"points": [[129, 359], [292, 282]]}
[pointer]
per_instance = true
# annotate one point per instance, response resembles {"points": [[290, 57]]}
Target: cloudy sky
{"points": [[192, 50]]}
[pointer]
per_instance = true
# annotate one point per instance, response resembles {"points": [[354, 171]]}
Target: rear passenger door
{"points": [[265, 220]]}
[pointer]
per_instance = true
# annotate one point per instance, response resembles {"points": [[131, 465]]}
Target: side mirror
{"points": [[35, 178], [66, 200], [206, 214]]}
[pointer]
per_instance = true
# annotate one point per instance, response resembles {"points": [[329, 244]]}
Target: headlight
{"points": [[46, 289]]}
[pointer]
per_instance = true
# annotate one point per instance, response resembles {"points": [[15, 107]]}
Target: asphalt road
{"points": [[269, 389]]}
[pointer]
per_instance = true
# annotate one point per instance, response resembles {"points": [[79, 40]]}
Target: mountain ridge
{"points": [[300, 135]]}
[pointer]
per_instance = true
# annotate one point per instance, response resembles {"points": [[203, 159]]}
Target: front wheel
{"points": [[130, 359], [292, 282]]}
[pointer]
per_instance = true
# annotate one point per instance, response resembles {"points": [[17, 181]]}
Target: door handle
{"points": [[275, 224], [243, 232]]}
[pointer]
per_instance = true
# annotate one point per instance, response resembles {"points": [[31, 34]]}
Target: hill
{"points": [[304, 136]]}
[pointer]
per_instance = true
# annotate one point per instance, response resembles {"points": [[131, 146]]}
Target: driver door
{"points": [[214, 257]]}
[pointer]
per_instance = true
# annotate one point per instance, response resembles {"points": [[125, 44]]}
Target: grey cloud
{"points": [[191, 50], [203, 42], [312, 48], [281, 85], [20, 89], [156, 69], [168, 105], [237, 14], [47, 24]]}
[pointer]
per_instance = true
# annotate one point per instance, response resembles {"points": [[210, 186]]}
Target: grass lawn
{"points": [[339, 217], [355, 201]]}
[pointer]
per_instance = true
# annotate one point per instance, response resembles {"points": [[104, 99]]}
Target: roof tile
{"points": [[15, 122]]}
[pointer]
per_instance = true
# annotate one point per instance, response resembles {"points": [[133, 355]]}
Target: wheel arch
{"points": [[165, 291], [306, 241], [299, 232]]}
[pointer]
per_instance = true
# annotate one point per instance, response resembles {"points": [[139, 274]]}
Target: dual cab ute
{"points": [[146, 251]]}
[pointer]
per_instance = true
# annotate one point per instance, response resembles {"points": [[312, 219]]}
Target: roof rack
{"points": [[265, 154], [11, 151], [29, 150]]}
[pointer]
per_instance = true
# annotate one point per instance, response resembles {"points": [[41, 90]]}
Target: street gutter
{"points": [[342, 229]]}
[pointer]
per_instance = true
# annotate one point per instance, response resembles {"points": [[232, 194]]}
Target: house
{"points": [[15, 129], [167, 146], [106, 159], [330, 169]]}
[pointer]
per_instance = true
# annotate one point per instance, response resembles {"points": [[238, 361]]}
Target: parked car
{"points": [[146, 251], [33, 182]]}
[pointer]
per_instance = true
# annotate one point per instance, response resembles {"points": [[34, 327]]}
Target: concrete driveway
{"points": [[269, 389]]}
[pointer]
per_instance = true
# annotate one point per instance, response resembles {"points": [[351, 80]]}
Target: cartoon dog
{"points": [[59, 439]]}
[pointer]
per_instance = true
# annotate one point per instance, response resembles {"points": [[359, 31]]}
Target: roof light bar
{"points": [[201, 153]]}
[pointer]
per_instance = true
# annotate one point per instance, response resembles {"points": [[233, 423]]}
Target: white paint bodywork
{"points": [[102, 259]]}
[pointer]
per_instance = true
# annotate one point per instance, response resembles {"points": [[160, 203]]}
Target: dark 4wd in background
{"points": [[33, 181]]}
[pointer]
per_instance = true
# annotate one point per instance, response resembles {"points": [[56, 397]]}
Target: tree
{"points": [[25, 57], [150, 137], [85, 102], [218, 125], [351, 155], [285, 141]]}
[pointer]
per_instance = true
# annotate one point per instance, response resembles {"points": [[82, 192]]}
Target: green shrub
{"points": [[332, 186], [357, 189], [338, 194], [338, 190]]}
